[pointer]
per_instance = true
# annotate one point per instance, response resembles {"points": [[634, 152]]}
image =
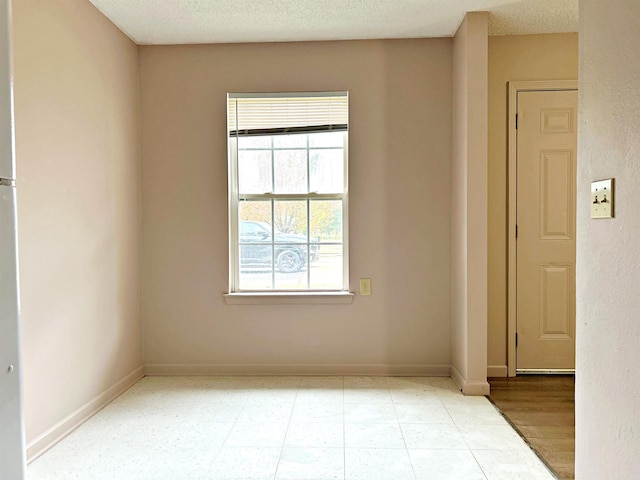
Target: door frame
{"points": [[12, 436], [516, 87]]}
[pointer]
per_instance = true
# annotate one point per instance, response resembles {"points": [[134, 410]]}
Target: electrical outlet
{"points": [[365, 286], [602, 199]]}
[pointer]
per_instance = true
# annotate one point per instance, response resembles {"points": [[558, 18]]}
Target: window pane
{"points": [[326, 220], [326, 170], [326, 267], [256, 246], [254, 216], [254, 171], [290, 141], [290, 219], [254, 142], [290, 259], [327, 139], [290, 171], [255, 267], [291, 281]]}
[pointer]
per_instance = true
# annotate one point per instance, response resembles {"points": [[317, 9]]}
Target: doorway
{"points": [[542, 212], [542, 409]]}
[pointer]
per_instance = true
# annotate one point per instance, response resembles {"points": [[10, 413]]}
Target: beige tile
{"points": [[321, 382], [423, 396], [365, 382], [243, 462], [378, 464], [449, 397], [372, 413], [270, 396], [320, 395], [511, 465], [409, 382], [257, 434], [443, 384], [311, 464], [420, 435], [178, 464], [367, 395], [445, 465], [492, 437], [475, 414], [212, 413], [200, 435], [373, 435], [318, 435], [418, 413], [318, 412], [266, 413]]}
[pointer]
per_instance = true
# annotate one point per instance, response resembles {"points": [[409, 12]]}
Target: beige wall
{"points": [[608, 251], [400, 137], [523, 57], [76, 112], [469, 206]]}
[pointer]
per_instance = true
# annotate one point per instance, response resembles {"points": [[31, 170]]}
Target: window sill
{"points": [[288, 298]]}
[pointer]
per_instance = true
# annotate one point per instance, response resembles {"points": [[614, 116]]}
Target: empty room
{"points": [[288, 240]]}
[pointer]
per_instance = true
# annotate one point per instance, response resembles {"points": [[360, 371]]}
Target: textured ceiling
{"points": [[230, 21]]}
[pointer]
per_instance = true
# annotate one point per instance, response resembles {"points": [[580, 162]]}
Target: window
{"points": [[288, 182]]}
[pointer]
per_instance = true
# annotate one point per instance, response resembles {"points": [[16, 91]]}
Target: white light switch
{"points": [[602, 199]]}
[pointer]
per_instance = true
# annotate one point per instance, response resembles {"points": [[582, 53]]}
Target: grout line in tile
{"points": [[213, 462], [344, 437], [406, 448], [478, 463], [286, 433]]}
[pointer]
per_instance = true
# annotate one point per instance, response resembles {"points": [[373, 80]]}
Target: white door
{"points": [[12, 457], [546, 229]]}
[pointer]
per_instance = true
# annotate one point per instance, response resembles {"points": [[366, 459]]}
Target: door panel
{"points": [[546, 217], [556, 170], [555, 302]]}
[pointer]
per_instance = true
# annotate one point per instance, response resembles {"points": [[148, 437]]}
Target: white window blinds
{"points": [[261, 114]]}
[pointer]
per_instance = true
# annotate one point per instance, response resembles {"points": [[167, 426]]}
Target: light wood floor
{"points": [[542, 408]]}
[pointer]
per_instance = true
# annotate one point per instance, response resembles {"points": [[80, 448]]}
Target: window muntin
{"points": [[288, 192]]}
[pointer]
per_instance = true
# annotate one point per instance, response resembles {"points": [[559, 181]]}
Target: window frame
{"points": [[273, 295]]}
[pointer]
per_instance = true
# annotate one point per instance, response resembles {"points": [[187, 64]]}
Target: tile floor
{"points": [[295, 428]]}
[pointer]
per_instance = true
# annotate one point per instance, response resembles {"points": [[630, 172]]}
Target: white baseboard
{"points": [[469, 388], [497, 370], [476, 388], [49, 438], [298, 369], [457, 378]]}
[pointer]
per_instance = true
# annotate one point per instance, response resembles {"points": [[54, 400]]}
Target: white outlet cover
{"points": [[602, 198]]}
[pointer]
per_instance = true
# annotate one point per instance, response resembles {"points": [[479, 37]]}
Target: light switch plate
{"points": [[365, 286], [602, 198]]}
